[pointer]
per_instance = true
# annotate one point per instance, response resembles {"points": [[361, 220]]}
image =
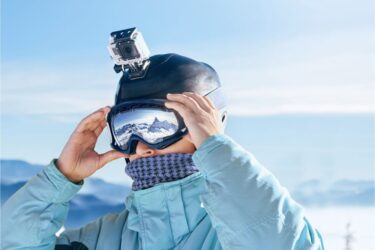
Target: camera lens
{"points": [[128, 50]]}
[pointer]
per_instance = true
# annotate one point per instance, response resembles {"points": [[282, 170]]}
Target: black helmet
{"points": [[173, 73]]}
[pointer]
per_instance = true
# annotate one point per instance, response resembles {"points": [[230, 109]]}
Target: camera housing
{"points": [[129, 52]]}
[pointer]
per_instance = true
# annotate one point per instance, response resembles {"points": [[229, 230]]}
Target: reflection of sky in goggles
{"points": [[148, 123]]}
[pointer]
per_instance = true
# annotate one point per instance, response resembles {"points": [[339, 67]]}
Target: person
{"points": [[202, 191]]}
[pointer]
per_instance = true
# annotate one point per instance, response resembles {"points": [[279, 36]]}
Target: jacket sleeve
{"points": [[32, 215], [102, 233], [246, 203]]}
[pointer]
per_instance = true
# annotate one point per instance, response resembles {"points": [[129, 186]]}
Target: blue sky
{"points": [[274, 58]]}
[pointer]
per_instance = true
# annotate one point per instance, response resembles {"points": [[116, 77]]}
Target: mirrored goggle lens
{"points": [[152, 125]]}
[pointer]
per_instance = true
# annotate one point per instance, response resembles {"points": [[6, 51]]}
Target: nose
{"points": [[143, 150]]}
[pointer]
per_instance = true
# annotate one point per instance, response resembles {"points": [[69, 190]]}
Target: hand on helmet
{"points": [[199, 113], [78, 158]]}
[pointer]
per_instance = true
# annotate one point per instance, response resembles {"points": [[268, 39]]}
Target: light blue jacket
{"points": [[232, 203]]}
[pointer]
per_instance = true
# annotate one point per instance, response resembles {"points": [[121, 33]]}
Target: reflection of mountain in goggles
{"points": [[146, 120]]}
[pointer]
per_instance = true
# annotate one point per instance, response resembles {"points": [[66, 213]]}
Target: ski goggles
{"points": [[146, 120]]}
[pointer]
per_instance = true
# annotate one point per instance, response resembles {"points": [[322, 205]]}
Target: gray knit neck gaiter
{"points": [[149, 171]]}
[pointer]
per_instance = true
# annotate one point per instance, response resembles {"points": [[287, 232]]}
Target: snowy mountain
{"points": [[158, 126], [17, 170], [95, 199], [146, 130]]}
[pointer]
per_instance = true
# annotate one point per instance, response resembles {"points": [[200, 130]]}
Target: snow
{"points": [[331, 222]]}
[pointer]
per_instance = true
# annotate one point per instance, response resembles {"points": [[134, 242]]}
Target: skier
{"points": [[193, 186]]}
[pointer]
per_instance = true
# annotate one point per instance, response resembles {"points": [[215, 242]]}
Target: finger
{"points": [[200, 100], [94, 123], [212, 105], [105, 108], [185, 100], [180, 108], [91, 137], [110, 156], [100, 128], [91, 121], [88, 139], [97, 133]]}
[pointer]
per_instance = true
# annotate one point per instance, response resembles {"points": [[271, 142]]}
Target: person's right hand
{"points": [[78, 158]]}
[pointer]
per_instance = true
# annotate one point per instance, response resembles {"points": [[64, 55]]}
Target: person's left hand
{"points": [[201, 117]]}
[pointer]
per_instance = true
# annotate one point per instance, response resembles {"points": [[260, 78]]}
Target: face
{"points": [[182, 146]]}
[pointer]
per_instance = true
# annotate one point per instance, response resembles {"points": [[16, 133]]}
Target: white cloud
{"points": [[326, 73], [59, 94], [311, 99], [318, 73]]}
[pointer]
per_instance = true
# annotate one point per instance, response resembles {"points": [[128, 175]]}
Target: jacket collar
{"points": [[167, 212]]}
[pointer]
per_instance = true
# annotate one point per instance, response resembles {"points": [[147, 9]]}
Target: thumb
{"points": [[110, 156]]}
